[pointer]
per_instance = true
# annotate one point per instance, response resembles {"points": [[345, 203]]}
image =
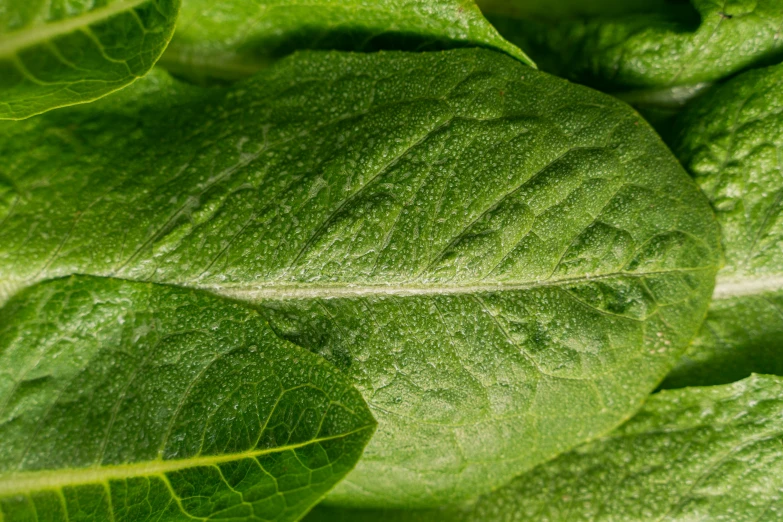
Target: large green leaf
{"points": [[134, 401], [713, 453], [665, 49], [505, 263], [54, 54], [732, 143], [234, 39]]}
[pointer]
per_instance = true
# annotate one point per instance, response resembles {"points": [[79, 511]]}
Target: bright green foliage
{"points": [[732, 143], [709, 453], [660, 46], [132, 401], [505, 263], [54, 54], [235, 38]]}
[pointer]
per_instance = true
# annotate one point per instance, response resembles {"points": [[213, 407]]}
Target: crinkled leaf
{"points": [[712, 453], [658, 48], [505, 263], [135, 401], [732, 143], [234, 38], [54, 54]]}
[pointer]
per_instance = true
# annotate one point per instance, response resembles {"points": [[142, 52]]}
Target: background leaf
{"points": [[650, 46], [505, 263], [234, 39], [732, 143], [709, 453], [133, 401], [54, 54]]}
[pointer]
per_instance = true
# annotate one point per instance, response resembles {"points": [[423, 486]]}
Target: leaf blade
{"points": [[368, 226], [162, 395]]}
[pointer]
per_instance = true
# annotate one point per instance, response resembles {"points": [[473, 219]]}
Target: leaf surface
{"points": [[134, 401], [712, 453], [653, 48], [54, 54], [505, 263], [732, 143], [235, 39]]}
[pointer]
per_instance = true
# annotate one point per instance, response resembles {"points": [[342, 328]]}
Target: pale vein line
{"points": [[16, 41], [281, 291], [25, 482], [750, 286]]}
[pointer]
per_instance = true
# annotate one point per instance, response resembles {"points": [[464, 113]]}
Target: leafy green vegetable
{"points": [[54, 54], [709, 453], [506, 264], [732, 141], [234, 39], [663, 45], [135, 401]]}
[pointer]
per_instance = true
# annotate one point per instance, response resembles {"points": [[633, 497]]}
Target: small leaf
{"points": [[505, 263], [713, 453], [133, 401], [54, 54], [234, 39]]}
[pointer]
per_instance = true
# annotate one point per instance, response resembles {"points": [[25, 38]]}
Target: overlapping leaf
{"points": [[505, 264], [54, 54], [134, 401]]}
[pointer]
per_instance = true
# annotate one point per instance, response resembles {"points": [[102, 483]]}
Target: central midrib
{"points": [[26, 37], [24, 482], [292, 291]]}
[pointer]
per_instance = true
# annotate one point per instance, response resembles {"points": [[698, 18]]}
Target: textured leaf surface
{"points": [[732, 143], [662, 45], [134, 401], [234, 39], [54, 54], [505, 263], [712, 453]]}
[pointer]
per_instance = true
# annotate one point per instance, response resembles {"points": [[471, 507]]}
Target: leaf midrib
{"points": [[24, 482], [11, 43], [281, 291]]}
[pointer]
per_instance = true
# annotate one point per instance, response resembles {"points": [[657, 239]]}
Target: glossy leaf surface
{"points": [[505, 264]]}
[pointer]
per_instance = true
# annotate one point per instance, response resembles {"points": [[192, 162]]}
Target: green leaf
{"points": [[234, 39], [54, 54], [660, 46], [713, 453], [505, 263], [732, 143], [134, 401]]}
